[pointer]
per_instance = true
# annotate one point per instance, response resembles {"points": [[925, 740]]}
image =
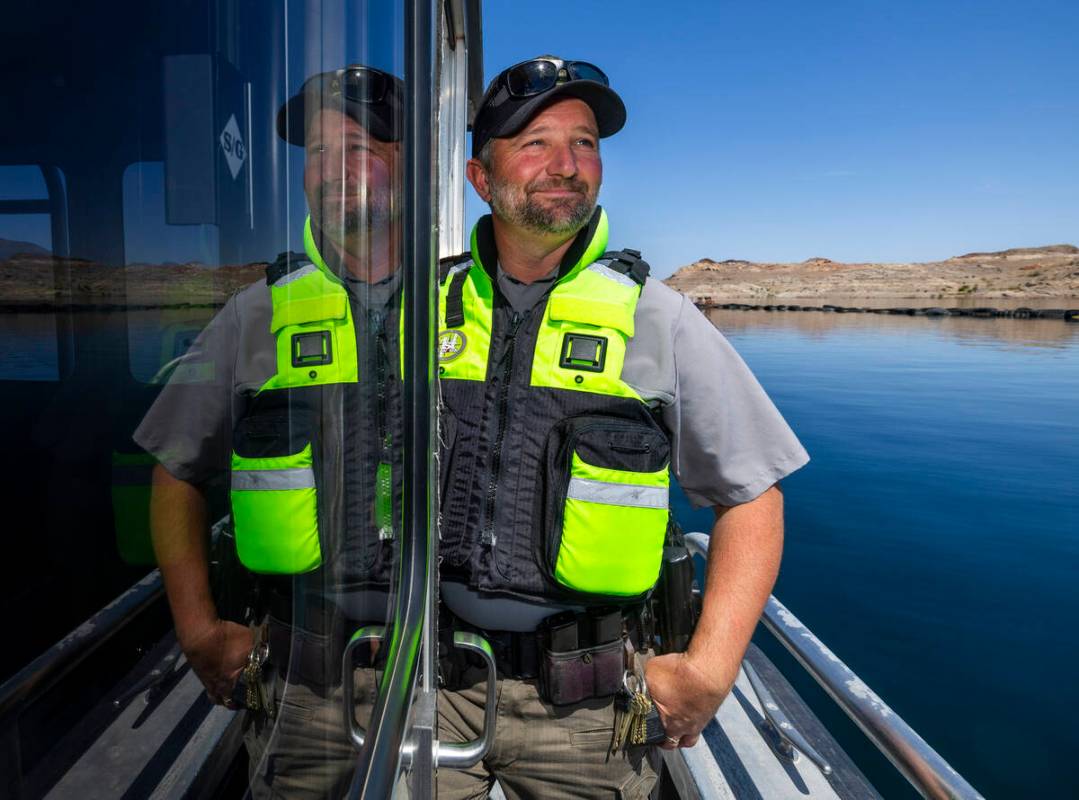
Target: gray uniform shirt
{"points": [[189, 427]]}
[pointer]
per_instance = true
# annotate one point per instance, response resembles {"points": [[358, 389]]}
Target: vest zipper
{"points": [[489, 537]]}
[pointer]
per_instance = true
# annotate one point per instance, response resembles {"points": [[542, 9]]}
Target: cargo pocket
{"points": [[274, 500], [607, 512]]}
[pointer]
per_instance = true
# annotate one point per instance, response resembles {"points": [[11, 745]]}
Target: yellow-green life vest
{"points": [[312, 468], [555, 472]]}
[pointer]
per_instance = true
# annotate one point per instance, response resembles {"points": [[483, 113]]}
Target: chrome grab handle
{"points": [[455, 755], [368, 633], [466, 754], [786, 739]]}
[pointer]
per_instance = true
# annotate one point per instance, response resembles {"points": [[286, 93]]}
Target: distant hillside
{"points": [[1050, 271], [10, 247], [30, 281]]}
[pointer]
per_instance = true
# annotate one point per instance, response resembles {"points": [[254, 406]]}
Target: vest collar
{"points": [[589, 244], [310, 246]]}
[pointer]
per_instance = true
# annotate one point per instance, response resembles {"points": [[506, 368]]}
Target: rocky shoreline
{"points": [[980, 312], [1037, 273]]}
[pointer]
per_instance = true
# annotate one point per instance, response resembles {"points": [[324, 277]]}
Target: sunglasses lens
{"points": [[364, 86], [583, 71], [532, 78]]}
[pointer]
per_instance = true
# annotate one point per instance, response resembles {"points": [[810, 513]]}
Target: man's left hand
{"points": [[685, 696]]}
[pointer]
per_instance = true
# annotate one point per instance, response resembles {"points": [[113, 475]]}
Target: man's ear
{"points": [[477, 176]]}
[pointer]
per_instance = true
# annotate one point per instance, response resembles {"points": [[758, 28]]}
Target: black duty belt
{"points": [[517, 655]]}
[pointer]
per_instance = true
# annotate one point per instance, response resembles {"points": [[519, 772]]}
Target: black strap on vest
{"points": [[449, 262], [285, 263], [628, 262], [455, 300]]}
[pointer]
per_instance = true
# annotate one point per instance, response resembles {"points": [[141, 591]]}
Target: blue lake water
{"points": [[932, 540]]}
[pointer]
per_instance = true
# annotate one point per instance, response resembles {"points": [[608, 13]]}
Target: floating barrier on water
{"points": [[983, 312]]}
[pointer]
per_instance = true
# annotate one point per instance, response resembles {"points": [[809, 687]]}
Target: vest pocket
{"points": [[607, 507], [274, 500]]}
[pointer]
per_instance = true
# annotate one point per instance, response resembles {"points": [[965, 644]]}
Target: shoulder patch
{"points": [[451, 343]]}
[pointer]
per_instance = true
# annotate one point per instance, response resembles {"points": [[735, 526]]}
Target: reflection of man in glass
{"points": [[301, 416]]}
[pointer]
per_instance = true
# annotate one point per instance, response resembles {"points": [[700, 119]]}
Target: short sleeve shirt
{"points": [[189, 427]]}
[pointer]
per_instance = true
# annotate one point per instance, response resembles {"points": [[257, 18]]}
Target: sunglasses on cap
{"points": [[358, 84], [540, 75]]}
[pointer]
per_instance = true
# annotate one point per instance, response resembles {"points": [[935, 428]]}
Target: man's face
{"points": [[546, 178], [351, 179]]}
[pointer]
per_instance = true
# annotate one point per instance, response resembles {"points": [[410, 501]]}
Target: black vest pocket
{"points": [[605, 507]]}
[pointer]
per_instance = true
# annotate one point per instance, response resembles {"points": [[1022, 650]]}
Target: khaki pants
{"points": [[540, 750], [303, 751]]}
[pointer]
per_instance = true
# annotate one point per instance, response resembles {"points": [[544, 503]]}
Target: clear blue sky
{"points": [[858, 130]]}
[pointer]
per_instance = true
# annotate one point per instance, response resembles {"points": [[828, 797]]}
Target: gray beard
{"points": [[566, 217], [373, 215]]}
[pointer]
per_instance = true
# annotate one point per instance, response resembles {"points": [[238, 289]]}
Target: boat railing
{"points": [[59, 661], [920, 764]]}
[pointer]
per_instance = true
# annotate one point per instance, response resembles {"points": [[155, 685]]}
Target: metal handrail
{"points": [[909, 753], [59, 660], [377, 768]]}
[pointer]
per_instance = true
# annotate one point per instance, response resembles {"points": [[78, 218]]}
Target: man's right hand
{"points": [[218, 654]]}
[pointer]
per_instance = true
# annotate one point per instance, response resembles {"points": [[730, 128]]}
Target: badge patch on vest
{"points": [[450, 345], [583, 352]]}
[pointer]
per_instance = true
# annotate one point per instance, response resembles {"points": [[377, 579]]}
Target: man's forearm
{"points": [[178, 526], [743, 562]]}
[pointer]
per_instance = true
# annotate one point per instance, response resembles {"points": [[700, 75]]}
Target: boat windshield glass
{"points": [[203, 372]]}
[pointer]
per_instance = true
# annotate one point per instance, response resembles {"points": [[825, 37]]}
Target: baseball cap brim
{"points": [[512, 115]]}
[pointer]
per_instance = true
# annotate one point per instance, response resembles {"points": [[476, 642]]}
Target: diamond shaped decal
{"points": [[233, 145]]}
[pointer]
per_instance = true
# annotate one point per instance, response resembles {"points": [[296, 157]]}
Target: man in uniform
{"points": [[302, 414], [572, 385]]}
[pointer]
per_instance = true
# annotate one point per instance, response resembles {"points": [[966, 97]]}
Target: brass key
{"points": [[641, 705], [623, 720], [255, 697]]}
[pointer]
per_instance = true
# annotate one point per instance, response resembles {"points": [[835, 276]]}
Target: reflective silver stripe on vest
{"points": [[617, 494], [302, 272], [268, 480], [610, 274]]}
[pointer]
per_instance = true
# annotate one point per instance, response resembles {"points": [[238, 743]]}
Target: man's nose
{"points": [[563, 162]]}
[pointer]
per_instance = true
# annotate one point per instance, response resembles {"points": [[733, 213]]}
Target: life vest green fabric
{"points": [[589, 525]]}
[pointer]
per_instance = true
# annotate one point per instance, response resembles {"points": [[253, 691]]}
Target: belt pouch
{"points": [[578, 675]]}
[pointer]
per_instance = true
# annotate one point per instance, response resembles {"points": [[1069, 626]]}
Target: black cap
{"points": [[501, 114], [373, 98]]}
